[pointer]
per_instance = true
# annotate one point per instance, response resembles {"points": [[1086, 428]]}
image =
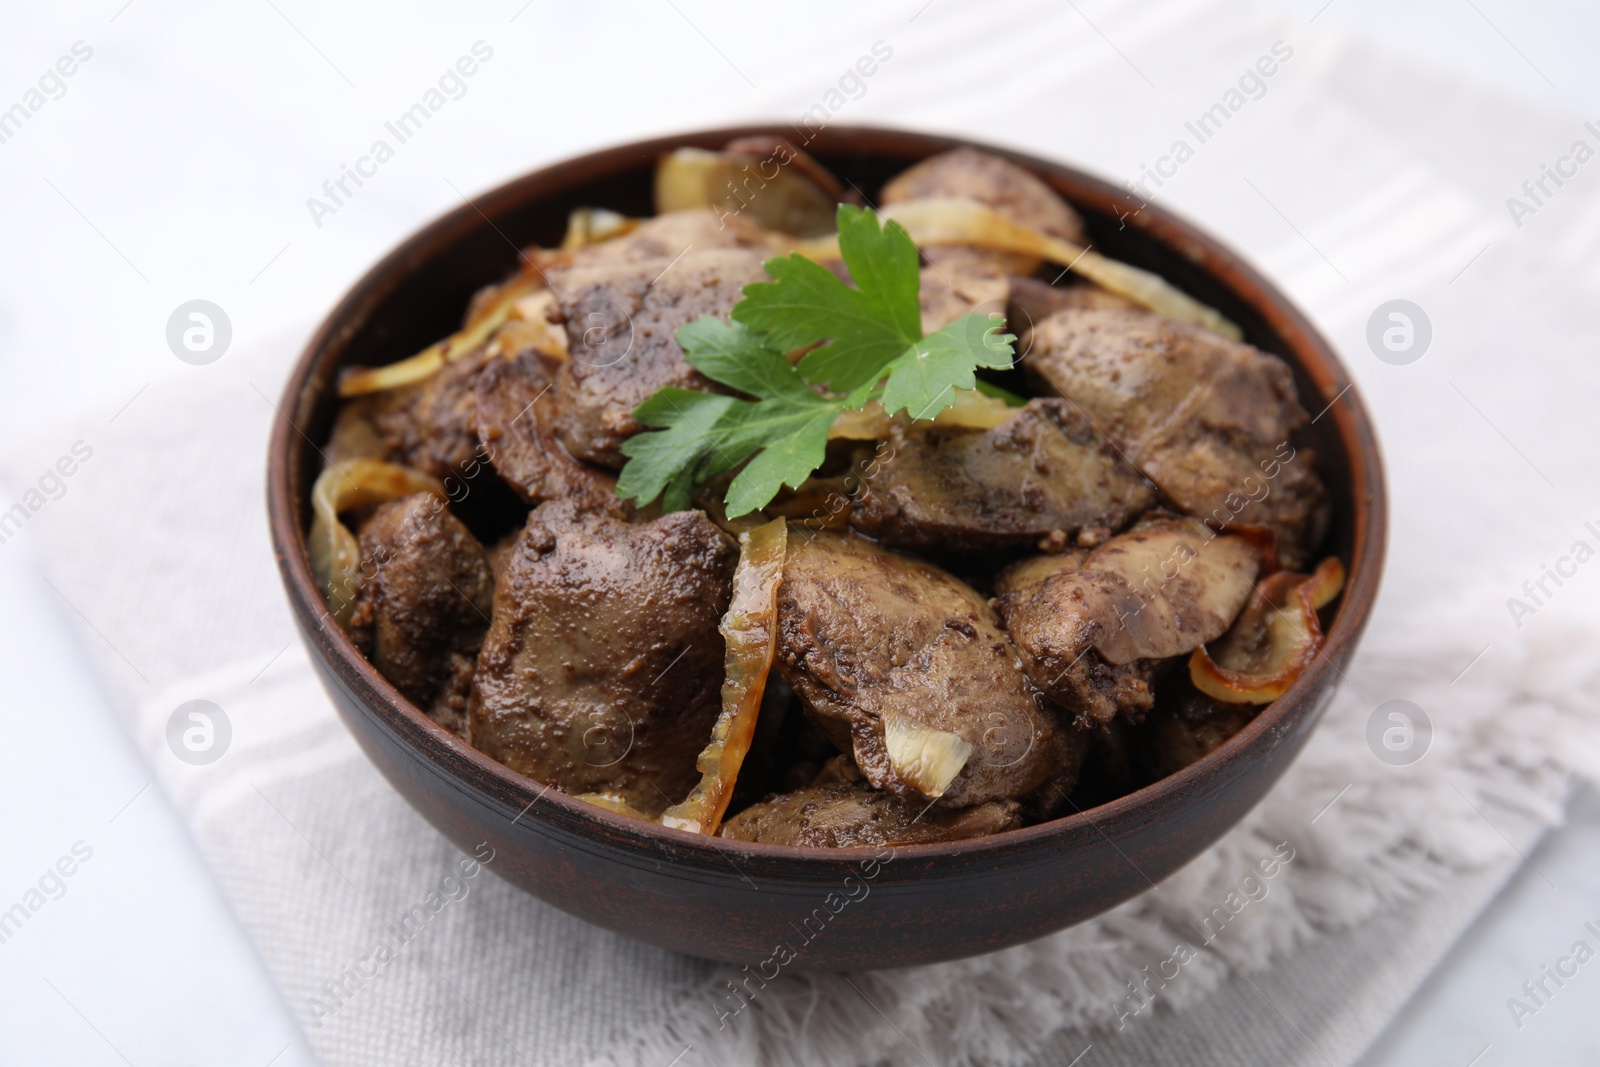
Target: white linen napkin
{"points": [[1353, 180]]}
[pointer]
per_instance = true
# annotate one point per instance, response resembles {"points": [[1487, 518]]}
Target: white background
{"points": [[177, 165]]}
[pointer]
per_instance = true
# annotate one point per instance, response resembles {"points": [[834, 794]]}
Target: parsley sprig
{"points": [[862, 344]]}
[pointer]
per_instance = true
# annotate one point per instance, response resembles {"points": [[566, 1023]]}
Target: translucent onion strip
{"points": [[360, 380], [335, 552], [524, 297], [1273, 641], [924, 758], [591, 225], [1327, 582], [613, 804], [530, 327], [971, 411], [689, 178], [958, 221], [750, 628], [787, 200]]}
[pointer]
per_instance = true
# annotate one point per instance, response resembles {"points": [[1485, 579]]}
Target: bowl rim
{"points": [[1353, 427]]}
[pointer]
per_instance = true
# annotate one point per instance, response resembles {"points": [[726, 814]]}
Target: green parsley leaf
{"points": [[922, 381], [990, 389], [788, 458], [785, 429], [864, 327], [865, 343], [671, 463]]}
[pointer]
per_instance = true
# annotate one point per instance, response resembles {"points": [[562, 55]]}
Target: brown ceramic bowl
{"points": [[831, 909]]}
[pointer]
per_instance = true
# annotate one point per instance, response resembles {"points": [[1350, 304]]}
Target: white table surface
{"points": [[176, 166]]}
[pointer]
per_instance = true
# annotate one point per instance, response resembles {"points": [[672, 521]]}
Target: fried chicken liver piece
{"points": [[854, 815], [965, 287], [1185, 726], [1093, 627], [517, 424], [428, 426], [1044, 477], [602, 669], [887, 651], [965, 173], [1208, 420], [622, 302], [423, 602]]}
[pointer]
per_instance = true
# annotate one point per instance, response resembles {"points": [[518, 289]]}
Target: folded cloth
{"points": [[394, 947]]}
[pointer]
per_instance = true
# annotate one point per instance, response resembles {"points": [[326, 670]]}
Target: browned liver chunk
{"points": [[423, 602], [602, 670]]}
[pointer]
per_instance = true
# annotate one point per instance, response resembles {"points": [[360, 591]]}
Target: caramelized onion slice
{"points": [[529, 327], [972, 410], [590, 225], [614, 804], [750, 629], [926, 759], [361, 380], [687, 177], [1273, 640], [819, 504], [335, 552], [1327, 582], [788, 200], [958, 221]]}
